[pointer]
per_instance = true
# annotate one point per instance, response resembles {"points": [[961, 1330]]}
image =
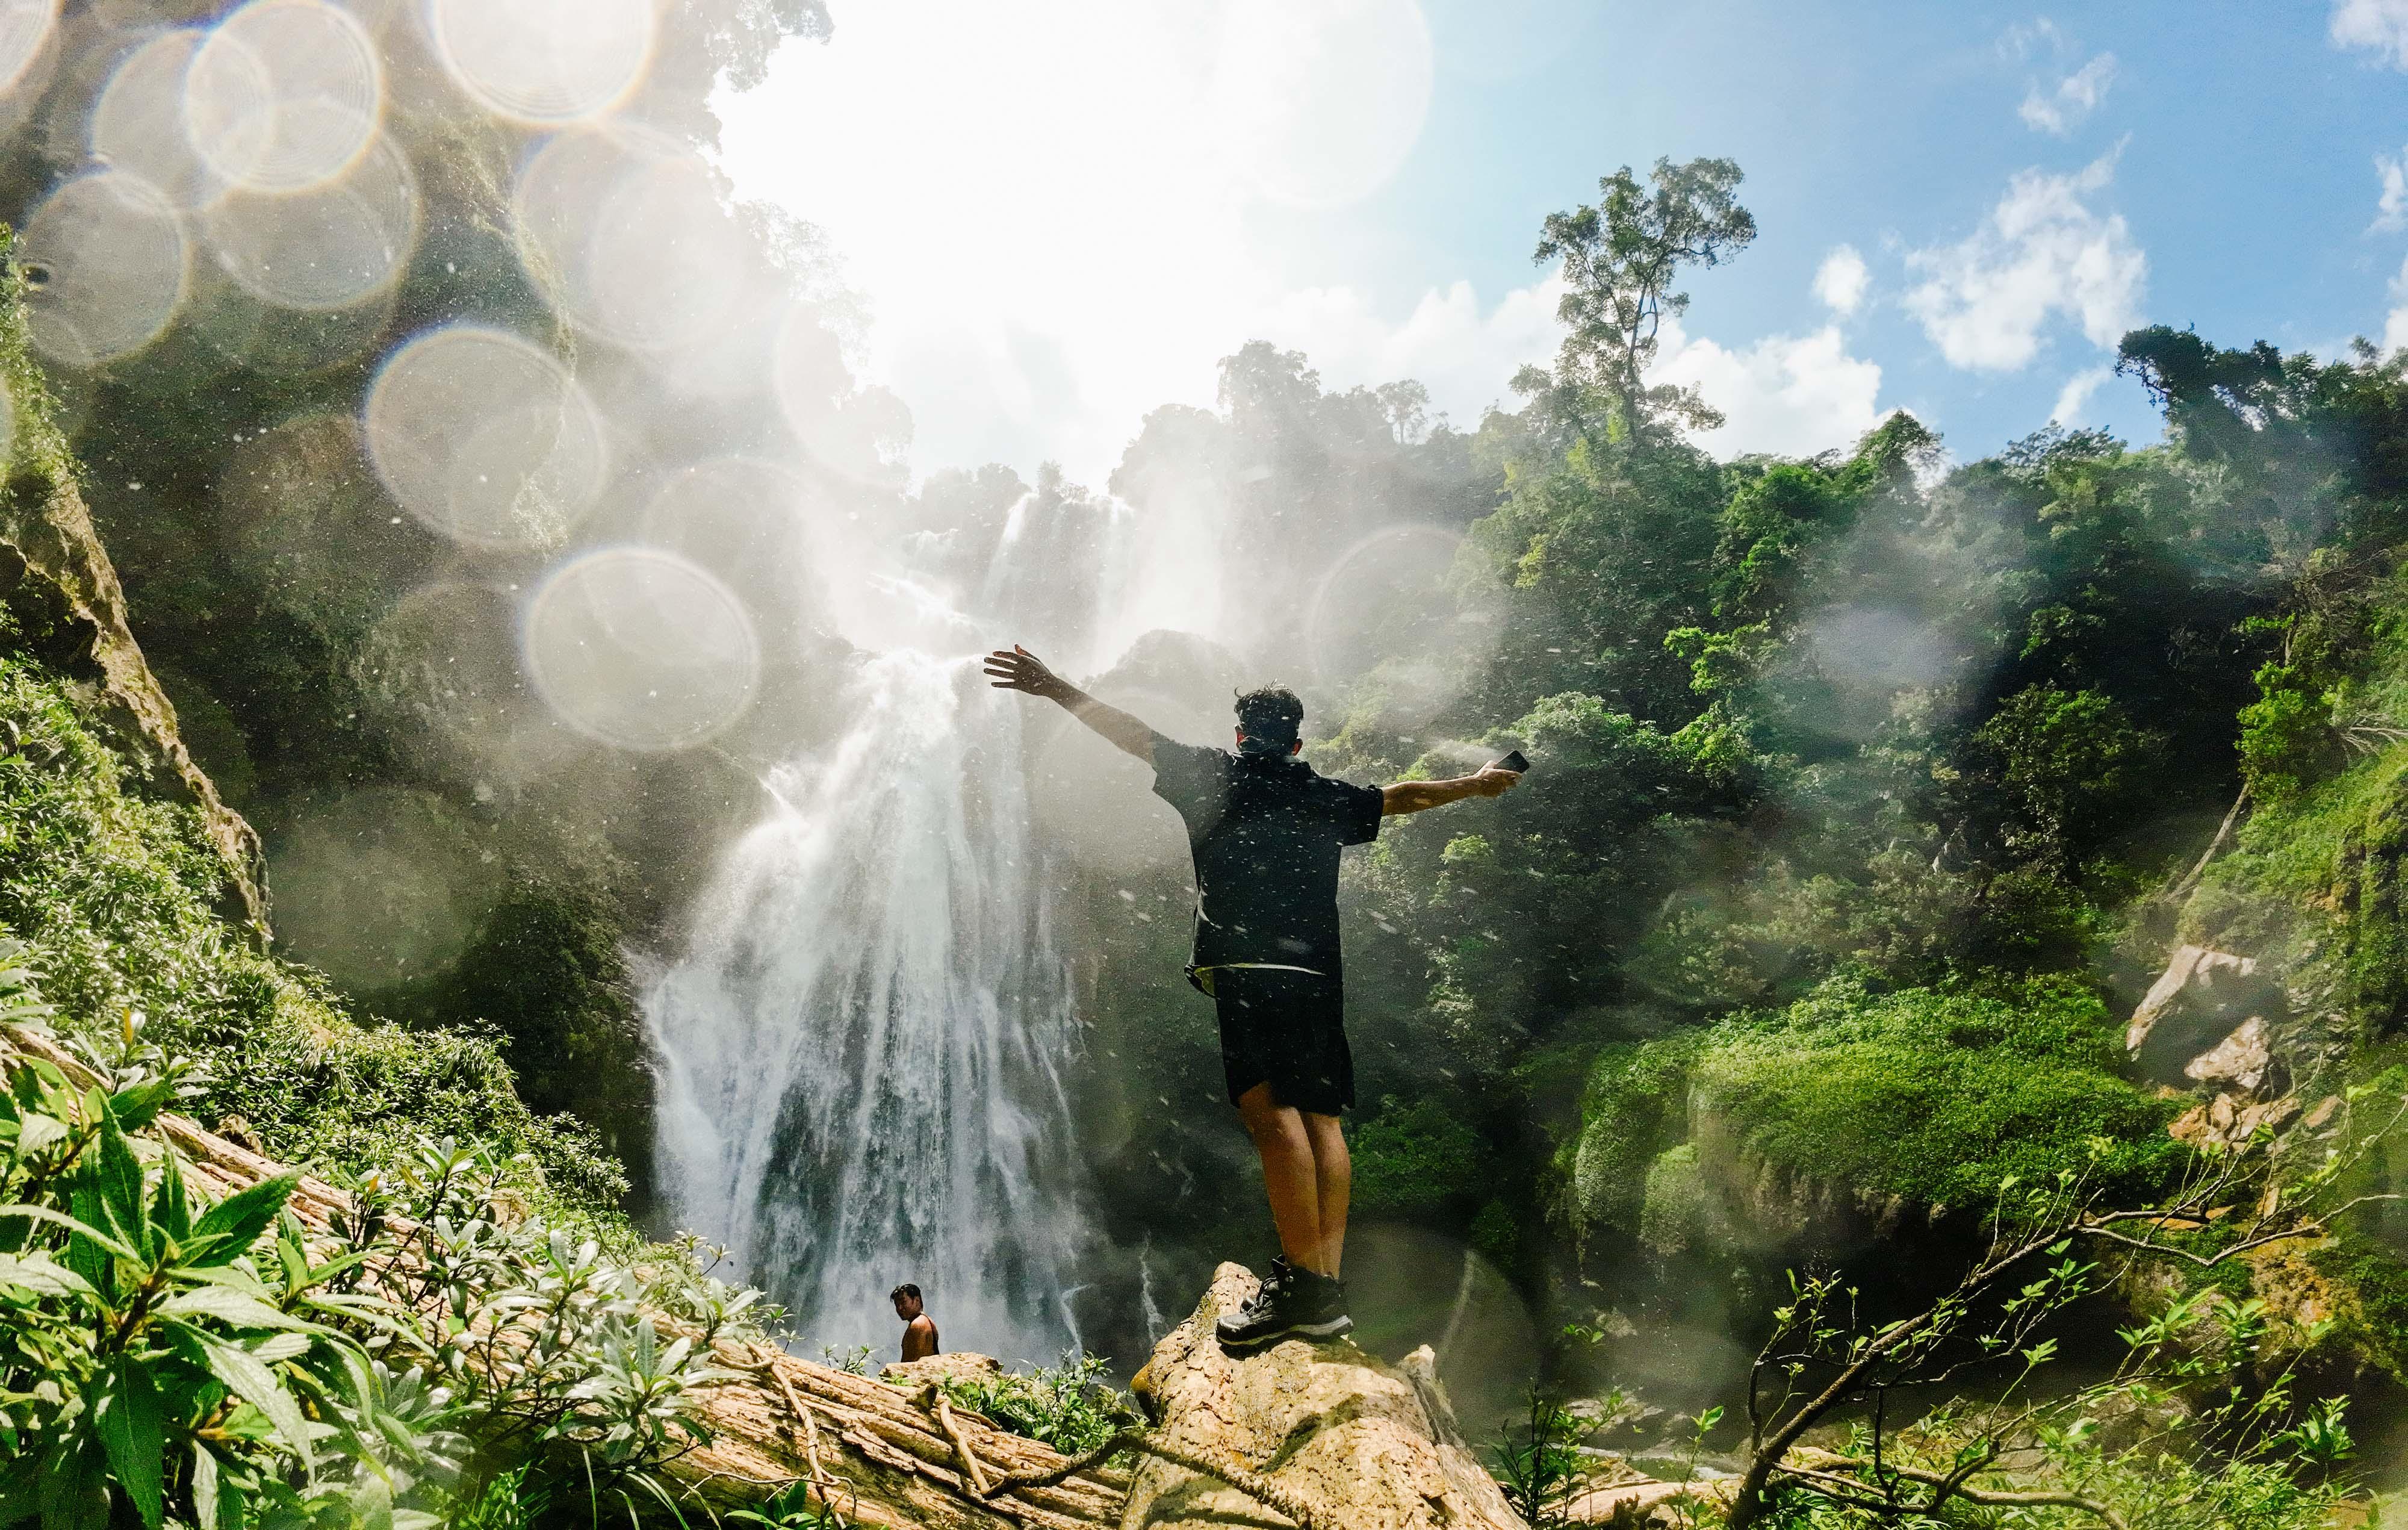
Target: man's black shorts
{"points": [[1287, 1029]]}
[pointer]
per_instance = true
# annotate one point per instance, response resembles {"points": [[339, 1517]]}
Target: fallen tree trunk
{"points": [[878, 1455], [1326, 1438]]}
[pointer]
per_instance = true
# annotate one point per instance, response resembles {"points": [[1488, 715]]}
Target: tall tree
{"points": [[1621, 258]]}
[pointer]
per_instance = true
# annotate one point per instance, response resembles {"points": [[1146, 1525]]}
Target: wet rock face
{"points": [[2198, 1002], [1366, 1444], [2241, 1063]]}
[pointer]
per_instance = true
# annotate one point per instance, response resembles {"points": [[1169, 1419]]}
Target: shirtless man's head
{"points": [[919, 1330]]}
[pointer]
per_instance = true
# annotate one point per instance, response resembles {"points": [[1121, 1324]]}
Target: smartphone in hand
{"points": [[1514, 762]]}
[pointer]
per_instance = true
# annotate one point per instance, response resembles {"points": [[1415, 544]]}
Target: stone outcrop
{"points": [[2202, 995], [1361, 1444], [2241, 1063], [47, 527]]}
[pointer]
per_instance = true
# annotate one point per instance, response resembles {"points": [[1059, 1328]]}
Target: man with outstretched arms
{"points": [[1266, 830]]}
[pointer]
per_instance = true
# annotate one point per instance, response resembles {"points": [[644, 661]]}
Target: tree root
{"points": [[1253, 1484]]}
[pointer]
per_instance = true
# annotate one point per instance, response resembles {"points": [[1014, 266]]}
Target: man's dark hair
{"points": [[1269, 716], [906, 1289]]}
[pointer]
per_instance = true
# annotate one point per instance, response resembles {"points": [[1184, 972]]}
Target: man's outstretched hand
{"points": [[1493, 781], [1017, 668]]}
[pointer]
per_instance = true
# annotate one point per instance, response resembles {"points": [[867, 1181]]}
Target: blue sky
{"points": [[1062, 213]]}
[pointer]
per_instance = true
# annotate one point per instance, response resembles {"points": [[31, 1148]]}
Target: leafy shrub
{"points": [[164, 1358], [117, 896], [1071, 1406]]}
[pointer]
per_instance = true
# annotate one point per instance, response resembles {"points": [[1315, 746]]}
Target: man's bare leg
{"points": [[1289, 1173], [1333, 1180]]}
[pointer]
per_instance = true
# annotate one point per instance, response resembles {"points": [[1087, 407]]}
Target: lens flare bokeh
{"points": [[641, 648], [137, 124], [484, 438], [544, 61], [25, 28], [284, 94], [625, 231], [112, 263], [329, 246]]}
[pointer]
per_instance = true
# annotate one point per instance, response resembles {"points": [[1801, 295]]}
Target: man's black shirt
{"points": [[1266, 830]]}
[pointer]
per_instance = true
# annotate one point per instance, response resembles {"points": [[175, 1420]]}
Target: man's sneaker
{"points": [[1289, 1304]]}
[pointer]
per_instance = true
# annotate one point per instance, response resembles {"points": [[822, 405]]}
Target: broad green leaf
{"points": [[37, 1131], [41, 1276], [205, 1485], [139, 1105], [231, 1308], [131, 1423], [372, 1505], [75, 1488], [119, 1182], [255, 1384], [236, 1222], [171, 1212], [75, 1225]]}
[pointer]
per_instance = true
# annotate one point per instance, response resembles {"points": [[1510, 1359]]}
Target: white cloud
{"points": [[1840, 281], [1464, 357], [2076, 96], [2395, 326], [2019, 41], [2391, 206], [2074, 400], [2043, 252], [2378, 25], [1791, 395]]}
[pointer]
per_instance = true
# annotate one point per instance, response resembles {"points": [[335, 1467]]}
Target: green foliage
{"points": [[1540, 1465], [118, 896], [1934, 1096], [1072, 1407], [1636, 1100], [1620, 260], [167, 1358], [2070, 765], [1417, 1163]]}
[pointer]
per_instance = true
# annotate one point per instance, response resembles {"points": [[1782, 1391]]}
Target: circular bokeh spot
{"points": [[1323, 100], [284, 94], [1389, 603], [486, 438], [106, 256], [137, 124], [25, 26], [626, 231], [379, 886], [1096, 803], [325, 248], [544, 61], [641, 648], [748, 522]]}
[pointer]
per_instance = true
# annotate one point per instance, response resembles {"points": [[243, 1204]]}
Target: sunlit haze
{"points": [[1062, 214]]}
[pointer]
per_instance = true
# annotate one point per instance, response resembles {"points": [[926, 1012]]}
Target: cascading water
{"points": [[863, 1041]]}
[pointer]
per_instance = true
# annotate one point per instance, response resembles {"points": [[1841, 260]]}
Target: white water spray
{"points": [[862, 1042]]}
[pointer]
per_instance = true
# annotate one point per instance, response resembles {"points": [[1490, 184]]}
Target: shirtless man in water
{"points": [[919, 1329], [1266, 830]]}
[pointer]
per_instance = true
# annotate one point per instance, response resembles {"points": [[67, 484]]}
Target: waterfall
{"points": [[862, 1040]]}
